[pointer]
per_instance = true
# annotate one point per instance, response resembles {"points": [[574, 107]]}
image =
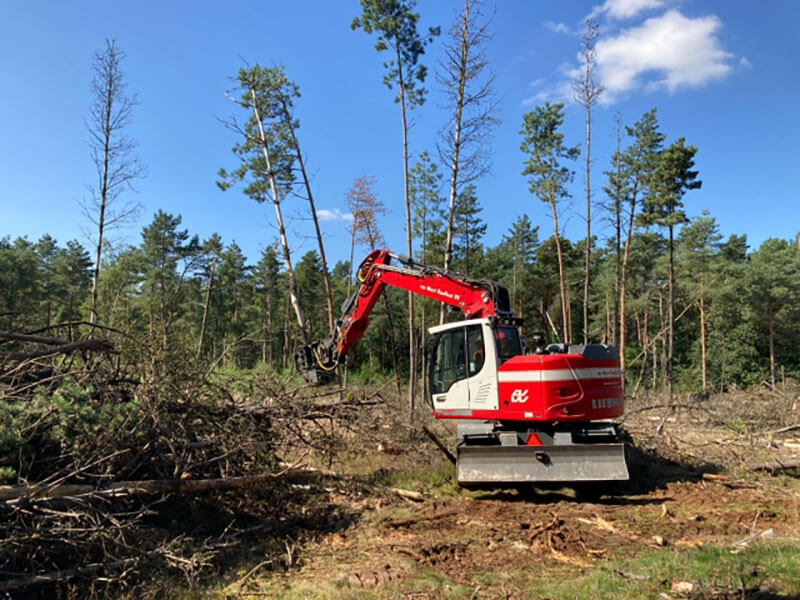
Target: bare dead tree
{"points": [[615, 192], [586, 91], [365, 208], [467, 84], [110, 114], [206, 305]]}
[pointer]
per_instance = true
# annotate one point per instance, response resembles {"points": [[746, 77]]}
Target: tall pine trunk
{"points": [[588, 257], [205, 308], [618, 232], [412, 355], [671, 316], [623, 280], [103, 198], [287, 259], [326, 279], [703, 359], [454, 164], [771, 324], [565, 320]]}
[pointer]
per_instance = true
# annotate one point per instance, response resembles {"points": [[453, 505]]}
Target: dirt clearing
{"points": [[694, 522]]}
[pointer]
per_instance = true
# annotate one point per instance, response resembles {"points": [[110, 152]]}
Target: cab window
{"points": [[508, 342], [449, 362], [475, 349], [457, 354]]}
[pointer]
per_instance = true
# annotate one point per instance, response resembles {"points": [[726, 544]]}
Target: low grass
{"points": [[774, 566], [438, 479]]}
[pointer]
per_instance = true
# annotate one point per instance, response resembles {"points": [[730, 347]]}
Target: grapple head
{"points": [[313, 362]]}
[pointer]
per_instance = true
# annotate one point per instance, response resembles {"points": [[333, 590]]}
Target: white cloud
{"points": [[541, 92], [625, 9], [333, 215], [557, 27], [667, 52]]}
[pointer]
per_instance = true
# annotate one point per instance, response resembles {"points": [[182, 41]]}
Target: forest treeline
{"points": [[205, 294]]}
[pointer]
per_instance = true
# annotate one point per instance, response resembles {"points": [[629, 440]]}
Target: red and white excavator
{"points": [[545, 415]]}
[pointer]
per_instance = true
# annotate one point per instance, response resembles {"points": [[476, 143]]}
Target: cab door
{"points": [[481, 367], [449, 385], [463, 369]]}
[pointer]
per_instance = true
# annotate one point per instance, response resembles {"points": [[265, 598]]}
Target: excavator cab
{"points": [[462, 362]]}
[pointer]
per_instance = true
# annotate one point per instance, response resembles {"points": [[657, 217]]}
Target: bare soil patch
{"points": [[690, 488]]}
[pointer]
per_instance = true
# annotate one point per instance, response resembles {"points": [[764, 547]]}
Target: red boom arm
{"points": [[475, 298]]}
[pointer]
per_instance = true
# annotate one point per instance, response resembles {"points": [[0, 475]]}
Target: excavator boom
{"points": [[473, 297]]}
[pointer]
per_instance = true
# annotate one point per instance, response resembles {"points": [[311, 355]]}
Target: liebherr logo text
{"points": [[440, 292], [519, 396], [607, 402], [606, 373]]}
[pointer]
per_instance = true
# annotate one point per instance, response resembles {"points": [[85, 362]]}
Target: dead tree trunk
{"points": [[112, 153], [617, 229], [205, 307], [468, 88], [703, 366]]}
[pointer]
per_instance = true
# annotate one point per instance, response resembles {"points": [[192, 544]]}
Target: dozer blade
{"points": [[524, 464]]}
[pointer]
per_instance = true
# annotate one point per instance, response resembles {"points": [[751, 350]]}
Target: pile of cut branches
{"points": [[115, 451]]}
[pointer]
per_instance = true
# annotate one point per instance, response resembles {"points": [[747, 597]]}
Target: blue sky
{"points": [[723, 75]]}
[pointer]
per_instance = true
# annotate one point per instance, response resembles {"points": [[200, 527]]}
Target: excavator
{"points": [[526, 416]]}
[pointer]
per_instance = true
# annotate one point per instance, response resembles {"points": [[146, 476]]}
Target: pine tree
{"points": [[672, 178], [427, 215], [522, 240], [468, 230], [631, 178], [266, 157], [698, 246], [548, 177], [396, 26]]}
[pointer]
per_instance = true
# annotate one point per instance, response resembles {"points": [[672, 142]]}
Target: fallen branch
{"points": [[93, 345], [672, 407], [439, 444], [12, 494], [34, 339], [19, 583], [795, 427], [744, 543], [777, 465]]}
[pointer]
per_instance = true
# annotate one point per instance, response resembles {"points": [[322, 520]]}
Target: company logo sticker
{"points": [[519, 396]]}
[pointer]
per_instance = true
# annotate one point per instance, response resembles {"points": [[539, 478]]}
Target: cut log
{"points": [[407, 494]]}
